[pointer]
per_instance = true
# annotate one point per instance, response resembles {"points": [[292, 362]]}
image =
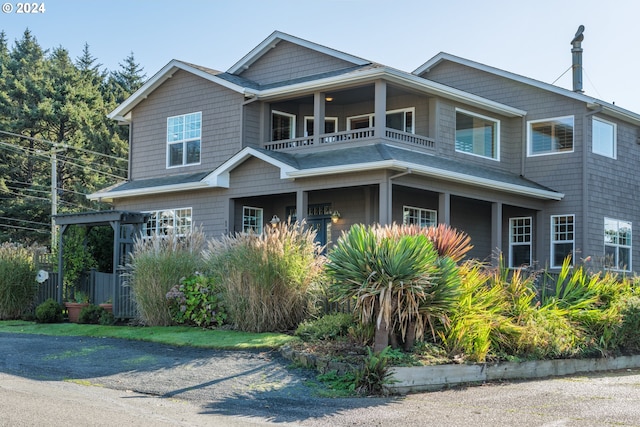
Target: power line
{"points": [[24, 220], [56, 144], [17, 227]]}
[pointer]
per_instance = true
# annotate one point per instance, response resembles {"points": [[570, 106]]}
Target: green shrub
{"points": [[18, 284], [268, 279], [157, 264], [374, 374], [327, 327], [91, 314], [49, 311], [628, 331], [197, 301], [107, 319]]}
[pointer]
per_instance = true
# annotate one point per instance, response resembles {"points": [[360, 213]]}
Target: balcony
{"points": [[356, 136]]}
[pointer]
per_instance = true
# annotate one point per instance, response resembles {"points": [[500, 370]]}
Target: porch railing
{"points": [[351, 136]]}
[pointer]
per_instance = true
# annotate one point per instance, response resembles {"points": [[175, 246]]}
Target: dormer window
{"points": [[183, 139]]}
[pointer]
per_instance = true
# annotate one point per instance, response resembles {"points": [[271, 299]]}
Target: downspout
{"points": [[585, 177], [252, 98]]}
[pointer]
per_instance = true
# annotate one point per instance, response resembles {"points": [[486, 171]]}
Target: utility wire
{"points": [[25, 220], [17, 227], [56, 144]]}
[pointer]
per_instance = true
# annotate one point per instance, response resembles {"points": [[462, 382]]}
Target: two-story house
{"points": [[296, 129]]}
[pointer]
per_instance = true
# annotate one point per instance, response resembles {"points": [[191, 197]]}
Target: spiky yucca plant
{"points": [[392, 273]]}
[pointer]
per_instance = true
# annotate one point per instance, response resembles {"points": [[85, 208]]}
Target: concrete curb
{"points": [[429, 378]]}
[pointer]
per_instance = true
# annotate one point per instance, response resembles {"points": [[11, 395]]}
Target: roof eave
{"points": [[110, 196], [431, 172]]}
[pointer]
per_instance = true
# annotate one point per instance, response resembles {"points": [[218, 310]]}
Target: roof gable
{"points": [[592, 103], [121, 112], [276, 37]]}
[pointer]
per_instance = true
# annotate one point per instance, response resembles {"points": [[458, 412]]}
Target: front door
{"points": [[322, 226]]}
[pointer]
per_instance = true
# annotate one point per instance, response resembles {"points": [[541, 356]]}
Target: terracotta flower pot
{"points": [[74, 309], [107, 306]]}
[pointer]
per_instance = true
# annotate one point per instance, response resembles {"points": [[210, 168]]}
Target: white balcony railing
{"points": [[351, 136]]}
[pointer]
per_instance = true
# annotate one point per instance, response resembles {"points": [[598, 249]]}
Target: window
{"points": [[603, 136], [252, 219], [283, 126], [166, 221], [550, 136], [617, 244], [477, 134], [520, 232], [403, 120], [183, 139], [562, 239], [330, 125], [419, 216]]}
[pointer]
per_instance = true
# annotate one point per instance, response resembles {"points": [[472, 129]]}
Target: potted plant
{"points": [[74, 307]]}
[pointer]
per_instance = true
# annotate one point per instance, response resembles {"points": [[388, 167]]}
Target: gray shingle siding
{"points": [[182, 94], [288, 61]]}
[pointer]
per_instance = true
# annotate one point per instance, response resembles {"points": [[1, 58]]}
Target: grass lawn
{"points": [[172, 335]]}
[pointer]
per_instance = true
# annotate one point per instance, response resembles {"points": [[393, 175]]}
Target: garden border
{"points": [[430, 378], [408, 379]]}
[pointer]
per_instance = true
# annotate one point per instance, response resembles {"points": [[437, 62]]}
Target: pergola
{"points": [[126, 225]]}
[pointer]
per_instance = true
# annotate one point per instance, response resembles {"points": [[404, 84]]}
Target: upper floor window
{"points": [[419, 216], [562, 239], [163, 222], [477, 135], [403, 120], [520, 233], [550, 136], [617, 244], [283, 126], [603, 136], [252, 219], [183, 139], [330, 125]]}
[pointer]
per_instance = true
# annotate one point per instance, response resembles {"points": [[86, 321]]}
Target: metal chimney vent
{"points": [[576, 52]]}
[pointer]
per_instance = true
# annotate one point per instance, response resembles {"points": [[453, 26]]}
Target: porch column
{"points": [[230, 215], [380, 109], [318, 116], [385, 201], [444, 208], [539, 247], [496, 228], [302, 205]]}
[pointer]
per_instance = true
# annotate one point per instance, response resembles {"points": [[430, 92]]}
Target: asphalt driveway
{"points": [[259, 387]]}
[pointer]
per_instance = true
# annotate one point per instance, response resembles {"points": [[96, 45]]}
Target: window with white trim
{"points": [[330, 125], [183, 139], [419, 216], [520, 237], [252, 219], [550, 136], [283, 126], [562, 239], [617, 244], [402, 119], [163, 222], [477, 135], [603, 137]]}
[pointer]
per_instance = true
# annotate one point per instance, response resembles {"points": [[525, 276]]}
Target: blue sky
{"points": [[528, 38]]}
